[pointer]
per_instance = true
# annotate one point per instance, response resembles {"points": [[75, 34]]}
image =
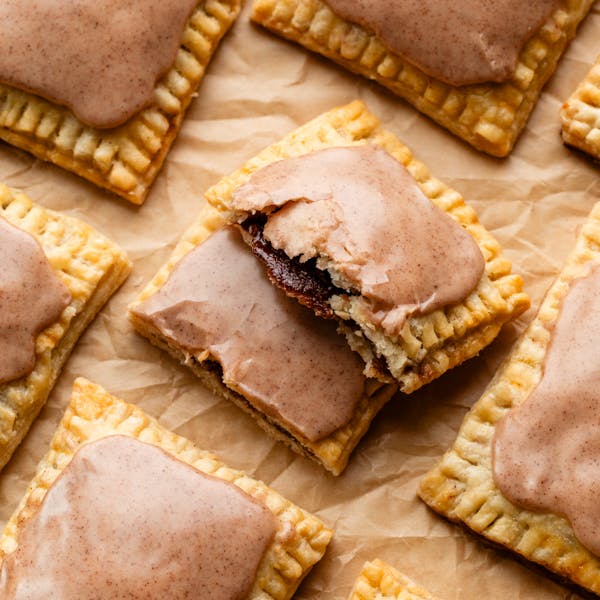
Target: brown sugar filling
{"points": [[303, 281], [358, 213]]}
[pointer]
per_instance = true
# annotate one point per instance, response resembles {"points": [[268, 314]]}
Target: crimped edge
{"points": [[379, 578], [580, 114]]}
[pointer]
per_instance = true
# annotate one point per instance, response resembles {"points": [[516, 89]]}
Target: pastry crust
{"points": [[125, 159], [461, 486], [92, 267], [380, 581], [580, 114], [300, 540], [430, 344], [488, 116], [333, 451]]}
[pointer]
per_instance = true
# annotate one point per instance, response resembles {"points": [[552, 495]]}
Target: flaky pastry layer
{"points": [[461, 486], [300, 540], [430, 344], [333, 451], [488, 116], [92, 267], [380, 581], [125, 159], [580, 114]]}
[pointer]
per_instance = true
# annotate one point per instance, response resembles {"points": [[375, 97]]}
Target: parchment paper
{"points": [[257, 89]]}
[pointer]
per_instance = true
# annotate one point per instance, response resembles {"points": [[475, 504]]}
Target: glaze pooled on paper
{"points": [[100, 58], [360, 213], [32, 298], [471, 41], [274, 352], [546, 452], [127, 520]]}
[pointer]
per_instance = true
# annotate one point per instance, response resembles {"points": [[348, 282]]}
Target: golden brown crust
{"points": [[333, 451], [301, 538], [580, 114], [92, 267], [380, 581], [461, 487], [431, 344], [125, 159], [488, 116]]}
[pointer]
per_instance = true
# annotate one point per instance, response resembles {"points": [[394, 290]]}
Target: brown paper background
{"points": [[256, 90]]}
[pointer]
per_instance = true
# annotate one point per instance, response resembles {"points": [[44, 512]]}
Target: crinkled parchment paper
{"points": [[256, 90]]}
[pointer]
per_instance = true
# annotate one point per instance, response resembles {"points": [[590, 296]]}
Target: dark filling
{"points": [[303, 281]]}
